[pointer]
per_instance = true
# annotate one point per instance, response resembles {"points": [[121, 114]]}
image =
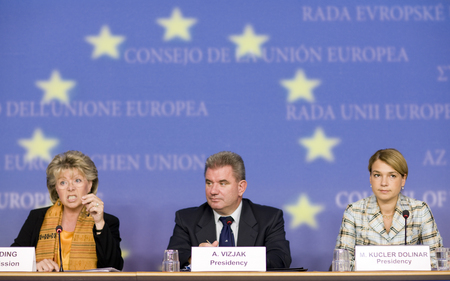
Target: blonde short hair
{"points": [[393, 158], [67, 161]]}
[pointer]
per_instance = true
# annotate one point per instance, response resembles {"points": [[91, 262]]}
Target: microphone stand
{"points": [[58, 230], [406, 216]]}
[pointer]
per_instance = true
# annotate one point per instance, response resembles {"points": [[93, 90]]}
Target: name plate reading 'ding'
{"points": [[17, 259], [403, 257], [228, 259]]}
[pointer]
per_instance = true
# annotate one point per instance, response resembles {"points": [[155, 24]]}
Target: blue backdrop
{"points": [[304, 91]]}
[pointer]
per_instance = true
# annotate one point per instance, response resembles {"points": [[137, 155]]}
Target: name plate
{"points": [[406, 257], [17, 259], [228, 259]]}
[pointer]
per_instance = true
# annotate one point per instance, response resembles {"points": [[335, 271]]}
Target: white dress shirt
{"points": [[236, 215]]}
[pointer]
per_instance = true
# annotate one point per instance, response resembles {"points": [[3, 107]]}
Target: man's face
{"points": [[223, 192]]}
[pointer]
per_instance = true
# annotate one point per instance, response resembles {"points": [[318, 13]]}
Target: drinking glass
{"points": [[341, 260], [171, 262], [442, 257]]}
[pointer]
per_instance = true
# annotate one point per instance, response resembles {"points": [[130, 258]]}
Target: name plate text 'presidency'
{"points": [[379, 258], [228, 259], [17, 259]]}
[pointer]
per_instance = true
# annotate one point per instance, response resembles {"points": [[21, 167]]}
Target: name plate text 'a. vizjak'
{"points": [[380, 258], [17, 259], [228, 259]]}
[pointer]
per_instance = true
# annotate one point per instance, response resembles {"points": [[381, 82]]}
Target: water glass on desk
{"points": [[442, 257], [171, 262], [341, 260]]}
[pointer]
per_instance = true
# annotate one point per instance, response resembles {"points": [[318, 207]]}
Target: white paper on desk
{"points": [[228, 259], [17, 259]]}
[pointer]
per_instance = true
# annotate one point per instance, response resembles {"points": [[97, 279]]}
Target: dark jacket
{"points": [[258, 226]]}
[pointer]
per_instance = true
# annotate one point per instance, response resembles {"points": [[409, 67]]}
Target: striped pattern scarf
{"points": [[83, 253]]}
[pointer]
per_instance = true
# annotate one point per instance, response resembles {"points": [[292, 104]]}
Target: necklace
{"points": [[387, 216]]}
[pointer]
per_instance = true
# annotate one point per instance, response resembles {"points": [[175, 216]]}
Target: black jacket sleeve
{"points": [[108, 244], [181, 241], [278, 254]]}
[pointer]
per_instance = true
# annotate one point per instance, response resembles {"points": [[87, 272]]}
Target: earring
{"points": [[403, 187], [370, 186]]}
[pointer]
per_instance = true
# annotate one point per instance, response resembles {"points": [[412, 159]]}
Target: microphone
{"points": [[406, 216], [58, 230], [229, 221]]}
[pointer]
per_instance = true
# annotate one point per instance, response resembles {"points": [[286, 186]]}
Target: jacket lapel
{"points": [[375, 217], [398, 222], [248, 227], [206, 227]]}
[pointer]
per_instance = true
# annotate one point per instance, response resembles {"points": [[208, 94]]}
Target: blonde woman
{"points": [[90, 238], [378, 220]]}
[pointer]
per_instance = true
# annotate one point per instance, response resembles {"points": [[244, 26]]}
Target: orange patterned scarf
{"points": [[83, 253]]}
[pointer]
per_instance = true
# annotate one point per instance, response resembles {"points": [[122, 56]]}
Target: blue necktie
{"points": [[226, 236]]}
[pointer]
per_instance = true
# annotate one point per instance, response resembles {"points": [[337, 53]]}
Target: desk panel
{"points": [[68, 276], [291, 276], [226, 276]]}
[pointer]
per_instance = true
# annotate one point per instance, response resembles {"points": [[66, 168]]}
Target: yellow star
{"points": [[248, 43], [105, 43], [38, 146], [319, 146], [125, 253], [303, 212], [56, 88], [177, 26], [300, 87]]}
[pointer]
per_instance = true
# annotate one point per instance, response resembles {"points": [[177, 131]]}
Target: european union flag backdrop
{"points": [[304, 91]]}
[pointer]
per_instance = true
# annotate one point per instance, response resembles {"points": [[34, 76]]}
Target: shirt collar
{"points": [[236, 215], [402, 204]]}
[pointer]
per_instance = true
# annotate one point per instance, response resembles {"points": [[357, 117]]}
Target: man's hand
{"points": [[207, 244]]}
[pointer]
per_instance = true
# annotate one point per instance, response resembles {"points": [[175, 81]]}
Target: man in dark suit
{"points": [[251, 224]]}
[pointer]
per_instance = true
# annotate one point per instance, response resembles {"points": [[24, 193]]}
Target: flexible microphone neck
{"points": [[406, 216], [58, 230]]}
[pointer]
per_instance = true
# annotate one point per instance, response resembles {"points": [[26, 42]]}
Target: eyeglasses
{"points": [[75, 183]]}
